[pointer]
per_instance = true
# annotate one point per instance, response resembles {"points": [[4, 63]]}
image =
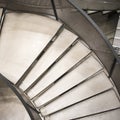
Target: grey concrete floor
{"points": [[107, 23], [10, 106]]}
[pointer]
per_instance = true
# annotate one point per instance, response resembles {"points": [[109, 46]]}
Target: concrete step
{"points": [[56, 70], [103, 102], [64, 40], [111, 115], [81, 73], [23, 37], [68, 61], [90, 88]]}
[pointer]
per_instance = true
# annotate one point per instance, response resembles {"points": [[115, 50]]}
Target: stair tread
{"points": [[112, 115], [84, 91], [64, 40], [69, 60], [23, 37], [94, 105], [82, 72], [90, 88]]}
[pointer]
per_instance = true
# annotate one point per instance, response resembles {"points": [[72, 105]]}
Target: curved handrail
{"points": [[87, 29], [76, 5]]}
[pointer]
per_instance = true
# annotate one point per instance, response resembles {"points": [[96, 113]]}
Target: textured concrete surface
{"points": [[10, 107]]}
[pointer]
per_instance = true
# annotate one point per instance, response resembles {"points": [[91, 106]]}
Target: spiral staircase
{"points": [[55, 72]]}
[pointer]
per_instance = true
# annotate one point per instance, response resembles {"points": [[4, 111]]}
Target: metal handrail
{"points": [[80, 27]]}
